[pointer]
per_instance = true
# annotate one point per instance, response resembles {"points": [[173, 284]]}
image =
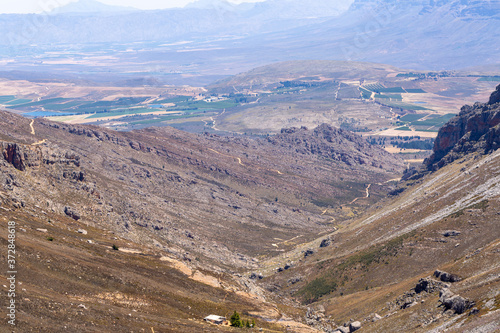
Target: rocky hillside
{"points": [[475, 130], [335, 144], [188, 214], [424, 260]]}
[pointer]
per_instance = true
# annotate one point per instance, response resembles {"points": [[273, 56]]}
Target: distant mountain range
{"points": [[91, 6], [228, 38]]}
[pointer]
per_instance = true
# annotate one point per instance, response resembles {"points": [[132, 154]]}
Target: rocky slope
{"points": [[195, 210], [475, 129], [335, 144], [426, 260]]}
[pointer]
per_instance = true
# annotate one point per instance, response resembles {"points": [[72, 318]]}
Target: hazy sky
{"points": [[38, 6]]}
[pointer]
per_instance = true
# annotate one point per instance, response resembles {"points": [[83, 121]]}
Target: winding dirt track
{"points": [[367, 194], [241, 163], [31, 126]]}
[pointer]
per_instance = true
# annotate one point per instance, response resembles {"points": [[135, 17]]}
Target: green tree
{"points": [[253, 323], [247, 324], [235, 320]]}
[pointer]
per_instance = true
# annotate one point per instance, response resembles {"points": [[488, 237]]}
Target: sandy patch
{"points": [[178, 265], [206, 279], [126, 250], [395, 150], [394, 132]]}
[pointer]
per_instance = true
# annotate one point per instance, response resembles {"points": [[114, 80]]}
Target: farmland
{"points": [[370, 99]]}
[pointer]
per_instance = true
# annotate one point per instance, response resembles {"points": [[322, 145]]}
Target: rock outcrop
{"points": [[446, 277], [335, 144], [456, 303], [475, 129]]}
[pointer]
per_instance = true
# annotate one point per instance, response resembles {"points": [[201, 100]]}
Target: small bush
{"points": [[115, 247], [50, 238]]}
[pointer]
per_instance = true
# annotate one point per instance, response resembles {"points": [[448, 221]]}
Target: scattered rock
{"points": [[82, 306], [354, 326], [376, 317], [326, 242], [342, 329], [287, 266], [451, 233], [456, 303], [408, 302], [446, 277], [294, 280], [71, 212], [82, 231], [473, 311], [308, 252], [253, 276], [429, 285], [41, 230]]}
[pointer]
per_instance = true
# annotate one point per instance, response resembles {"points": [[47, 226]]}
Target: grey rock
{"points": [[473, 311], [456, 303], [308, 252], [326, 242], [71, 212], [451, 233], [354, 326], [446, 277]]}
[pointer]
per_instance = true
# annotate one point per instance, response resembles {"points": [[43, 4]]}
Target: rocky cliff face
{"points": [[475, 129]]}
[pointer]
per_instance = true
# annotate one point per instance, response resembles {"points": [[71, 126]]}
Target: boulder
{"points": [[354, 326], [325, 242], [308, 252], [456, 303], [342, 329], [71, 212], [446, 277], [451, 233]]}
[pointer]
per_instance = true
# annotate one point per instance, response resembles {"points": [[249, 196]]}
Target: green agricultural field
{"points": [[18, 102], [404, 128], [412, 117], [123, 113], [394, 97], [434, 120], [6, 98], [28, 103], [391, 90], [490, 78], [374, 87], [212, 105], [405, 106], [416, 91], [365, 94]]}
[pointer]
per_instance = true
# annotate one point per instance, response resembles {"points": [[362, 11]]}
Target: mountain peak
{"points": [[91, 6], [211, 4]]}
